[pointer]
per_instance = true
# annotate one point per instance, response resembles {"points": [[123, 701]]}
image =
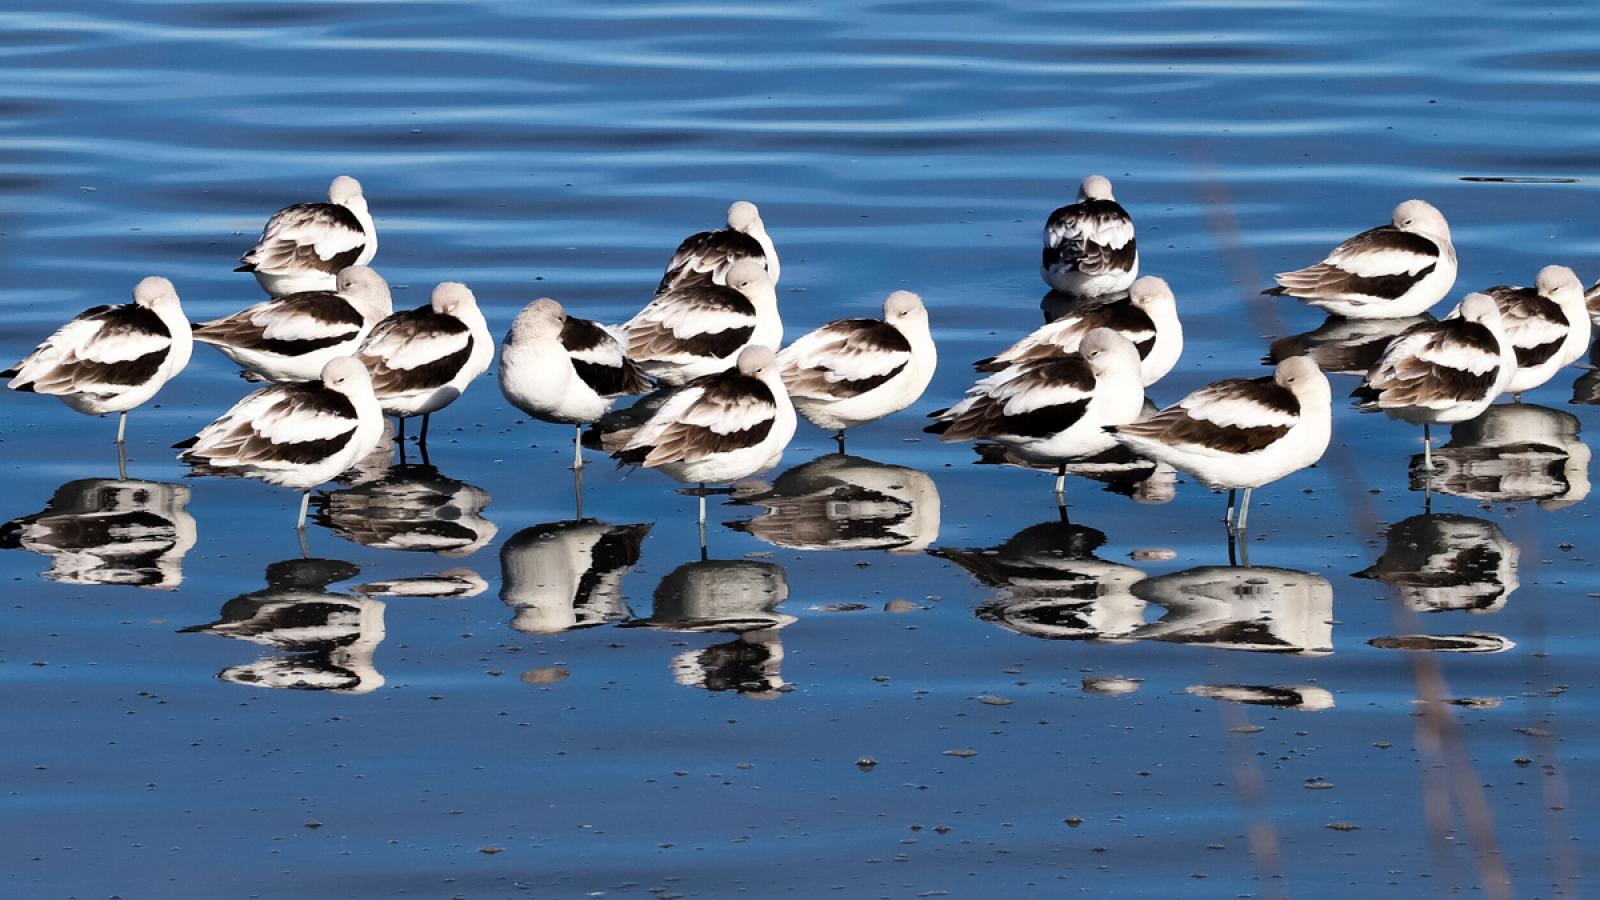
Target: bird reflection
{"points": [[1586, 390], [1284, 696], [1444, 562], [412, 507], [840, 502], [1342, 346], [327, 639], [451, 584], [109, 531], [733, 596], [1051, 585], [1257, 608], [1471, 642], [564, 575], [376, 464], [1514, 451]]}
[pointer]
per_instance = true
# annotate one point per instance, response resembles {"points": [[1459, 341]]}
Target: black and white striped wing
{"points": [[1094, 237], [598, 358], [1534, 325], [692, 322], [1433, 365], [1063, 336], [291, 325], [1029, 400], [714, 415], [307, 237], [1239, 415], [285, 425], [104, 351], [1380, 264], [844, 359], [415, 350], [708, 256]]}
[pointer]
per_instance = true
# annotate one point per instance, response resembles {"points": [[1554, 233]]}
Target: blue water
{"points": [[563, 149]]}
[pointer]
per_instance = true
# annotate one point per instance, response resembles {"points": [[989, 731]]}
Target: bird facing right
{"points": [[1241, 432], [1547, 325], [1394, 271], [304, 247]]}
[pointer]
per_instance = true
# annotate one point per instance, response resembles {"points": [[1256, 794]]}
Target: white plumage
{"points": [[709, 255], [1089, 246], [422, 359], [111, 358], [1147, 317], [290, 338], [1393, 271], [854, 371], [1547, 327], [699, 327], [566, 575], [304, 247]]}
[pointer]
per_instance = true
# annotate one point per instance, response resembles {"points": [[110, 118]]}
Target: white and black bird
{"points": [[561, 576], [111, 359], [1241, 432], [1440, 562], [853, 371], [1147, 316], [456, 583], [1054, 410], [1442, 372], [839, 502], [559, 368], [296, 435], [1088, 245], [737, 596], [699, 328], [1089, 248], [110, 531], [1341, 346], [412, 508], [304, 247], [422, 359], [1547, 325], [290, 338], [1393, 271], [709, 255]]}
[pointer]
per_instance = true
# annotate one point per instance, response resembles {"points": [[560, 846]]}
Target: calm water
{"points": [[702, 737]]}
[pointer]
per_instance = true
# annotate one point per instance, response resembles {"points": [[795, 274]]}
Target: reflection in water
{"points": [[739, 596], [109, 531], [1342, 346], [451, 584], [1285, 696], [1121, 470], [1443, 562], [1471, 642], [1111, 685], [413, 507], [1051, 585], [1586, 389], [327, 639], [840, 502], [375, 465], [1514, 451], [1242, 608], [564, 575]]}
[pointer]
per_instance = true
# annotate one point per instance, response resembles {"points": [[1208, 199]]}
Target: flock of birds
{"points": [[720, 400]]}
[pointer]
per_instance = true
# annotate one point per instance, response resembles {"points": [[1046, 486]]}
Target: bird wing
{"points": [[1238, 415], [716, 414], [599, 360], [323, 237], [691, 322], [415, 350], [104, 350], [842, 359], [279, 425]]}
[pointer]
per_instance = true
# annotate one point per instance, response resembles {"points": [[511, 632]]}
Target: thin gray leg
{"points": [[1244, 510], [577, 447], [305, 501], [122, 426], [1227, 518], [702, 521]]}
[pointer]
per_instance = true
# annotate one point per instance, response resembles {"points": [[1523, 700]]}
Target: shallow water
{"points": [[702, 738]]}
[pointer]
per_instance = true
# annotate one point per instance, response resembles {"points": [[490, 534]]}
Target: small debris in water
{"points": [[1073, 821], [994, 700], [489, 851], [545, 675], [866, 763], [963, 753], [1343, 826], [840, 607], [1153, 554], [900, 606]]}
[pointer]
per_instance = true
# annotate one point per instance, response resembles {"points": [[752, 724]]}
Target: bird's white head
{"points": [[156, 293], [1151, 292], [1480, 308], [1304, 379], [903, 307], [757, 360], [542, 319], [1560, 284], [346, 191], [367, 291], [346, 375], [452, 298], [1107, 351], [744, 217], [1095, 187], [748, 275], [1421, 216]]}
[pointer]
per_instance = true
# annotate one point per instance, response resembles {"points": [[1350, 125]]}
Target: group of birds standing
{"points": [[721, 401]]}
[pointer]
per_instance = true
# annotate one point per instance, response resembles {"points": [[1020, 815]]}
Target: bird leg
{"points": [[577, 448], [1427, 448], [838, 438], [1227, 518], [122, 427], [1061, 483], [1244, 510], [702, 522], [577, 489], [423, 440], [305, 501], [122, 462]]}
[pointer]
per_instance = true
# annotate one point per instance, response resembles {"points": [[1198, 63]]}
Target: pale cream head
{"points": [[1480, 308], [757, 360], [346, 375], [744, 217], [452, 298], [1105, 350], [367, 290], [541, 319], [903, 306], [1560, 284], [748, 275], [1302, 377], [1095, 187], [344, 189], [155, 292], [1421, 216], [1151, 291]]}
